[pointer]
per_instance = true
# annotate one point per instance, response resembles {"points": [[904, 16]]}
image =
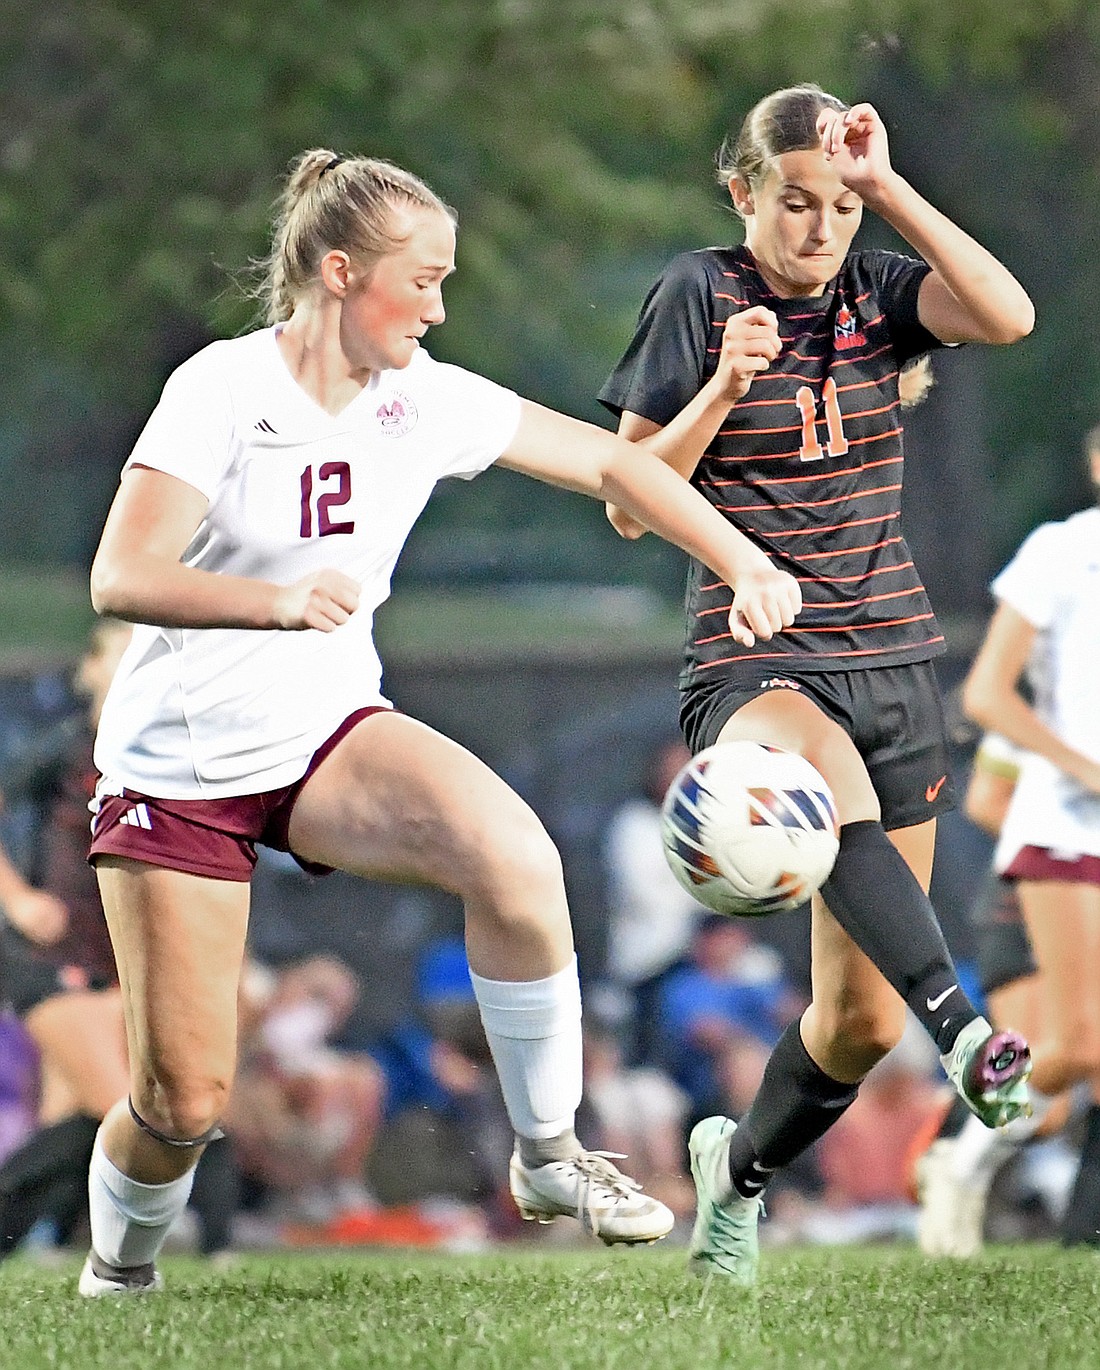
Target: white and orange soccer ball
{"points": [[750, 829]]}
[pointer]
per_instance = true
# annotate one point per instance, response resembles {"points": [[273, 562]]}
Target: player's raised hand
{"points": [[323, 601], [750, 343], [765, 600], [855, 142]]}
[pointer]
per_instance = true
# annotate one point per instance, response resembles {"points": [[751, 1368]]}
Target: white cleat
{"points": [[97, 1278], [588, 1187], [952, 1212]]}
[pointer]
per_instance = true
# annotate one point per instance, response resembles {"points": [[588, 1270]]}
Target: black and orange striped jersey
{"points": [[809, 463]]}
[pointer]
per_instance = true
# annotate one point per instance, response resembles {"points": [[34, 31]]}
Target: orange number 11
{"points": [[838, 443]]}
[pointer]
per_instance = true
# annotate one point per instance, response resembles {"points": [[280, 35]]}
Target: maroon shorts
{"points": [[1039, 863], [214, 837]]}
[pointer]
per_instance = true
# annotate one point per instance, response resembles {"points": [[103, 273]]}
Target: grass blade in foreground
{"points": [[1034, 1306]]}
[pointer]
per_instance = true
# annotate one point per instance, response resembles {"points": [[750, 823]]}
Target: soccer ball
{"points": [[750, 829]]}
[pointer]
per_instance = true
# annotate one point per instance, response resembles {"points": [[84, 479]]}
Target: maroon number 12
{"points": [[326, 501]]}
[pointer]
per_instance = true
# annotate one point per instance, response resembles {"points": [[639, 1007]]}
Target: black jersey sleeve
{"points": [[664, 366], [897, 282]]}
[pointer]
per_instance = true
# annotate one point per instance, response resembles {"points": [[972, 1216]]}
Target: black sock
{"points": [[38, 1177], [795, 1105], [879, 903], [953, 1119], [215, 1196], [1081, 1224]]}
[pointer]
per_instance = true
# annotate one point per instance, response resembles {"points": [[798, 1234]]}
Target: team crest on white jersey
{"points": [[398, 416]]}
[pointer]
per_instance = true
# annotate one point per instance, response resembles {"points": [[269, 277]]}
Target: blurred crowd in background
{"points": [[366, 1109], [139, 147]]}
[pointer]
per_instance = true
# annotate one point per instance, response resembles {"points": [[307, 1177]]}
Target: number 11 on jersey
{"points": [[838, 443]]}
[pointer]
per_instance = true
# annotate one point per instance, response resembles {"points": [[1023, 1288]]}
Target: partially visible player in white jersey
{"points": [[1045, 636], [253, 535], [955, 1173]]}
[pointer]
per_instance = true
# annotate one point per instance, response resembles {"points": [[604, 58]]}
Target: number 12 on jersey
{"points": [[838, 443], [327, 500]]}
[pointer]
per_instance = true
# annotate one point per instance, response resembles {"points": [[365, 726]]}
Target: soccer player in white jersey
{"points": [[253, 535], [1046, 632]]}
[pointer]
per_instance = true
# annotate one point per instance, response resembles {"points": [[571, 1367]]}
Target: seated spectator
{"points": [[732, 987], [639, 1112], [446, 1134], [58, 976], [651, 917], [304, 1115]]}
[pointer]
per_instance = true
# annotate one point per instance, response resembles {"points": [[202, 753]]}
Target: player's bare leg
{"points": [[395, 800], [1063, 923], [179, 944], [81, 1043]]}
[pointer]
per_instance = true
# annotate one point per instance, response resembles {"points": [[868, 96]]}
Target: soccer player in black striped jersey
{"points": [[779, 361]]}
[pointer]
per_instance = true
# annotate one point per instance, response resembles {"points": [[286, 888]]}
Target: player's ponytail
{"points": [[333, 202]]}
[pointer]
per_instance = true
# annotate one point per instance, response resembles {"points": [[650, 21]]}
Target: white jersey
{"points": [[1053, 581], [292, 489]]}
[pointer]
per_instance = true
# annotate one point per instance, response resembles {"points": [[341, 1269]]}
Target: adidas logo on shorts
{"points": [[137, 817]]}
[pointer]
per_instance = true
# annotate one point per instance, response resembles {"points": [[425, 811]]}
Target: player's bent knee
{"points": [[873, 1034], [522, 857], [182, 1111], [213, 1133]]}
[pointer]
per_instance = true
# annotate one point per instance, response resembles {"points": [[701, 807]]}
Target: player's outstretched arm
{"points": [[969, 296], [750, 343], [579, 456], [137, 574], [992, 697]]}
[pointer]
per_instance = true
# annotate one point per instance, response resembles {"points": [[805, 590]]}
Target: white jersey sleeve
{"points": [[1053, 581], [1035, 579], [482, 418], [188, 434]]}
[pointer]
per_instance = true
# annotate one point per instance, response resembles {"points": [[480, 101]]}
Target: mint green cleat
{"points": [[723, 1241], [990, 1071]]}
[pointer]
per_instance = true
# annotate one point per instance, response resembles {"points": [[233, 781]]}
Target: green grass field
{"points": [[875, 1308]]}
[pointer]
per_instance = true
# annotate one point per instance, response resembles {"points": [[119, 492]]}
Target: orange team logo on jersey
{"points": [[933, 790], [776, 682], [848, 332]]}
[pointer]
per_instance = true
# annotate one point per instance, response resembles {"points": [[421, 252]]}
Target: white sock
{"points": [[131, 1220], [534, 1033], [980, 1151]]}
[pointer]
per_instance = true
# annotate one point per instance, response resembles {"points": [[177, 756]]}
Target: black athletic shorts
{"points": [[894, 715], [1001, 944]]}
